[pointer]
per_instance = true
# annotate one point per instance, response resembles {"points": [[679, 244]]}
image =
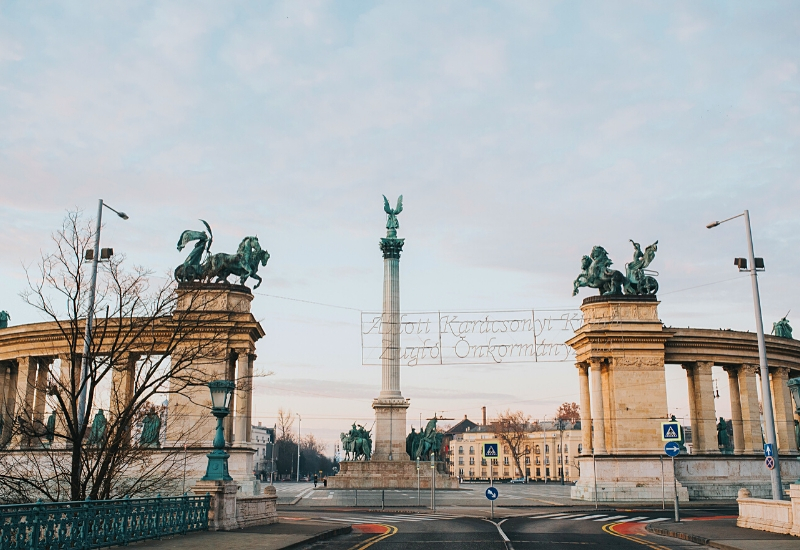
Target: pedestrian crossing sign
{"points": [[670, 431], [489, 450]]}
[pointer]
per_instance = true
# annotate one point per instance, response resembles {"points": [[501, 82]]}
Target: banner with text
{"points": [[497, 337]]}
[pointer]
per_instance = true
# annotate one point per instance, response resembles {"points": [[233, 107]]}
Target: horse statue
{"points": [[357, 443], [429, 441], [596, 273], [244, 264], [191, 269]]}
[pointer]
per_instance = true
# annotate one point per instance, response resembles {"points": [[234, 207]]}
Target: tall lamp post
{"points": [[87, 337], [766, 392], [217, 469], [298, 446]]}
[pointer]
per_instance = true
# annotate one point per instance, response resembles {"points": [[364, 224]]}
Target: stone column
{"points": [[701, 407], [122, 383], [736, 409], [40, 396], [390, 406], [598, 414], [251, 360], [26, 392], [8, 400], [751, 417], [586, 411], [243, 391], [783, 410], [230, 374]]}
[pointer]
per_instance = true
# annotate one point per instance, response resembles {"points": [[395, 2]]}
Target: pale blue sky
{"points": [[520, 133]]}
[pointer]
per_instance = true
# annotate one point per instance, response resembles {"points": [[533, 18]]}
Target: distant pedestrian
{"points": [[315, 480]]}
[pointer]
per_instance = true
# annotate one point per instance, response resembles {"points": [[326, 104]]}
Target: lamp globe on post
{"points": [[217, 469]]}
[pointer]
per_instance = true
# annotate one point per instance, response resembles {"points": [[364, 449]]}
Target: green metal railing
{"points": [[99, 523]]}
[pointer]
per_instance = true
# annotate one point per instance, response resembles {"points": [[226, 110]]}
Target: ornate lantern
{"points": [[217, 469]]}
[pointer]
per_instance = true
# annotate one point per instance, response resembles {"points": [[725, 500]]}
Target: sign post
{"points": [[419, 503], [433, 482], [489, 451], [671, 432]]}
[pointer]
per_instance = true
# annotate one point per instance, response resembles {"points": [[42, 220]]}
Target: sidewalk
{"points": [[723, 533], [277, 536]]}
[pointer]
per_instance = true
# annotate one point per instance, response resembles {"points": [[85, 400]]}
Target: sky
{"points": [[520, 134]]}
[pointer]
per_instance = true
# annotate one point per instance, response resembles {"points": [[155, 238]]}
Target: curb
{"points": [[325, 535], [687, 537]]}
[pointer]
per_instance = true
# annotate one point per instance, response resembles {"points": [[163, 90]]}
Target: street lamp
{"points": [[217, 469], [298, 446], [87, 337], [766, 392]]}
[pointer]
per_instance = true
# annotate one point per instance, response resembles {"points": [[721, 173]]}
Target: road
{"points": [[470, 494], [518, 530]]}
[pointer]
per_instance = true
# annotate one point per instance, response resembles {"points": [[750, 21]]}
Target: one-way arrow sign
{"points": [[672, 449], [768, 451]]}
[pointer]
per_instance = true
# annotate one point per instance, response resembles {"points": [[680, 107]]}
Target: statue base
{"points": [[386, 474], [390, 429]]}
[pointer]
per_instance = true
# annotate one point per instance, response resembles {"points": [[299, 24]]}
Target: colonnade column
{"points": [[25, 392], [122, 381], [7, 405], [586, 411], [751, 417], [783, 410], [701, 406], [736, 409], [230, 374], [598, 415], [244, 388], [251, 360]]}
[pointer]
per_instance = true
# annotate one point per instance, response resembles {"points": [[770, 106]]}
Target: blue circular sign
{"points": [[492, 493], [672, 449]]}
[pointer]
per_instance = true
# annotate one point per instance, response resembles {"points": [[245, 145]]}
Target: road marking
{"points": [[610, 518], [589, 517], [374, 519], [390, 530], [505, 538], [609, 528], [654, 520], [551, 516]]}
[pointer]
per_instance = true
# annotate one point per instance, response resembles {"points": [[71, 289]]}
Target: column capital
{"points": [[582, 366], [732, 370], [597, 362], [750, 369], [391, 247], [780, 371]]}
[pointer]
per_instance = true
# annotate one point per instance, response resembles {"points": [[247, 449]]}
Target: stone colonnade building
{"points": [[621, 350], [35, 356]]}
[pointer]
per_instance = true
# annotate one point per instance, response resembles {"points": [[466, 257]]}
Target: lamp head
{"points": [[122, 215], [712, 225], [221, 391]]}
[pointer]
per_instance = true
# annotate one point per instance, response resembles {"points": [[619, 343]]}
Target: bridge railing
{"points": [[99, 523]]}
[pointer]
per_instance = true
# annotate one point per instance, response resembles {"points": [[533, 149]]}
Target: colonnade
{"points": [[743, 380]]}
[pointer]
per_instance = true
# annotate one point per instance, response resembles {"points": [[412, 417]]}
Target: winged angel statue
{"points": [[391, 223]]}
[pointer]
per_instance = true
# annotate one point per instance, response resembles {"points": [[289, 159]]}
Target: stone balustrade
{"points": [[775, 516]]}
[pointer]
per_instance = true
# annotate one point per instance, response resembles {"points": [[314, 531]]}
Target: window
{"points": [[537, 461], [537, 449], [547, 460], [527, 449], [483, 462], [559, 459], [461, 471], [566, 473], [471, 450], [460, 450], [566, 449], [461, 461], [538, 471], [471, 460], [527, 460], [580, 448], [505, 449], [505, 461], [558, 448], [472, 473]]}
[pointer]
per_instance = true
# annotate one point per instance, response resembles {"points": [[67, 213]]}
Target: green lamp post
{"points": [[217, 469]]}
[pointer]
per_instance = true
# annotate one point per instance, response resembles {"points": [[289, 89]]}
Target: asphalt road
{"points": [[620, 529]]}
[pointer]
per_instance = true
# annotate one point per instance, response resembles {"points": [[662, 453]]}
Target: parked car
{"points": [[518, 480]]}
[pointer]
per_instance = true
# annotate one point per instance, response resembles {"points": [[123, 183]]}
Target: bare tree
{"points": [[285, 424], [145, 347], [511, 428], [570, 412]]}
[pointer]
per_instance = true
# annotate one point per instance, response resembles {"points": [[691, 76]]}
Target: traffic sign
{"points": [[492, 493], [489, 450], [770, 462], [670, 431], [672, 449], [768, 450]]}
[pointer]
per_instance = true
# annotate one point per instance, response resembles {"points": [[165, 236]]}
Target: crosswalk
{"points": [[583, 516], [393, 518]]}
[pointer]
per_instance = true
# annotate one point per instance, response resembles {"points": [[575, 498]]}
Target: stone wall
{"points": [[775, 516]]}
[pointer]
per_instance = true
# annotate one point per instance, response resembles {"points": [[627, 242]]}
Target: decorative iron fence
{"points": [[99, 523]]}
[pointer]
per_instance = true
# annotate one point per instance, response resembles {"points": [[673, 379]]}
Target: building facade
{"points": [[263, 441], [546, 453]]}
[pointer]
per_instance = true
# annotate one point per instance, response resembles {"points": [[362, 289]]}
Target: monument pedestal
{"points": [[390, 429], [385, 474], [626, 479]]}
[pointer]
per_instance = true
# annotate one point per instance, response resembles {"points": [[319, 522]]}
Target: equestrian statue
{"points": [[201, 265], [596, 273], [357, 443]]}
